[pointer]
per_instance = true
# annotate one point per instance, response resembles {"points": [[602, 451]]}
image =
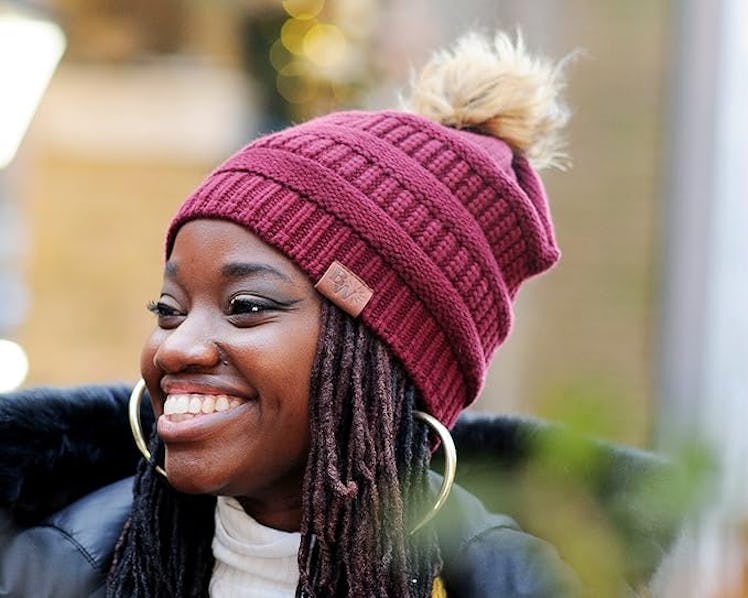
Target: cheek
{"points": [[309, 331], [302, 355], [286, 371], [150, 372]]}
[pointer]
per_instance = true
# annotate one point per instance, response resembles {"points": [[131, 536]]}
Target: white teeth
{"points": [[182, 405], [197, 403], [209, 404]]}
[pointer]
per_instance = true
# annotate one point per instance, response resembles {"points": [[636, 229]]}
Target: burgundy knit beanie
{"points": [[426, 229]]}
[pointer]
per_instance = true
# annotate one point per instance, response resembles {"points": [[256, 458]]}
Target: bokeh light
{"points": [[14, 365], [303, 9], [325, 45], [29, 51], [293, 34]]}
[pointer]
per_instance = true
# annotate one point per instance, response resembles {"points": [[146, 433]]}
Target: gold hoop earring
{"points": [[450, 465], [450, 453], [133, 407]]}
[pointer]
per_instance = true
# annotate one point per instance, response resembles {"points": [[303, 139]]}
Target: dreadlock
{"points": [[365, 487], [165, 547], [366, 475]]}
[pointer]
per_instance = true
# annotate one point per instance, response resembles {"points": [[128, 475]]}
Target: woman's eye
{"points": [[245, 304], [162, 310]]}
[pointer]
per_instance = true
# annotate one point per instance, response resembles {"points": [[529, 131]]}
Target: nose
{"points": [[189, 346]]}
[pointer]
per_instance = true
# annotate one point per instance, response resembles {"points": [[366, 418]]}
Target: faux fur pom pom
{"points": [[495, 87]]}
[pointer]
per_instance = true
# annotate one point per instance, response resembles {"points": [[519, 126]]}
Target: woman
{"points": [[323, 287], [319, 286]]}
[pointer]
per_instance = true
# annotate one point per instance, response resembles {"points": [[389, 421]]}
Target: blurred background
{"points": [[150, 95], [637, 336]]}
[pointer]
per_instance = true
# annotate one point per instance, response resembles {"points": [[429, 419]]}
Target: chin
{"points": [[185, 484], [188, 476]]}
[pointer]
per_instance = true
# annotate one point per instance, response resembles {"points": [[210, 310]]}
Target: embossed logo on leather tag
{"points": [[344, 289]]}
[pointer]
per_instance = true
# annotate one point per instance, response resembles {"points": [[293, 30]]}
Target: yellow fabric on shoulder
{"points": [[437, 590]]}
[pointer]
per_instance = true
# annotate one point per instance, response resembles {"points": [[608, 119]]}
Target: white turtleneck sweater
{"points": [[251, 560]]}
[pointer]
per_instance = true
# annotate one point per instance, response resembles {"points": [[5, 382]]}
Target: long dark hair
{"points": [[365, 486]]}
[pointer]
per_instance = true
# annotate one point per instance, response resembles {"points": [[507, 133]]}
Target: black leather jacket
{"points": [[66, 456]]}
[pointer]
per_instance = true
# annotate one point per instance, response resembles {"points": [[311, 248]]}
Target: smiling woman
{"points": [[331, 292], [233, 314], [320, 286]]}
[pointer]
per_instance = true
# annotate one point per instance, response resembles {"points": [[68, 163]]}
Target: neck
{"points": [[285, 516]]}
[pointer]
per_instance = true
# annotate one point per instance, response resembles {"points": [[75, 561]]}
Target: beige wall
{"points": [[120, 140]]}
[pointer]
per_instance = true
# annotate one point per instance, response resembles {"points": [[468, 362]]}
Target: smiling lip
{"points": [[181, 406], [189, 427], [174, 385], [193, 409]]}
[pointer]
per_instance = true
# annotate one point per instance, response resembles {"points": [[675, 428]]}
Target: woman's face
{"points": [[228, 369]]}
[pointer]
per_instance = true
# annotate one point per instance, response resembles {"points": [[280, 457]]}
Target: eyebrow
{"points": [[235, 270], [242, 269]]}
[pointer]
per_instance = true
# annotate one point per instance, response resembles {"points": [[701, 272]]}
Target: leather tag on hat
{"points": [[344, 289]]}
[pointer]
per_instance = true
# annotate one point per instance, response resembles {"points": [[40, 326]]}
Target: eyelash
{"points": [[161, 309], [238, 306], [255, 306]]}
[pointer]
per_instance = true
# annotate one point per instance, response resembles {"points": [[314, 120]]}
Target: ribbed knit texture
{"points": [[443, 225], [251, 559]]}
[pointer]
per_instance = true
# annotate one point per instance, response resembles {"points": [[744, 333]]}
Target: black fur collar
{"points": [[57, 444]]}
